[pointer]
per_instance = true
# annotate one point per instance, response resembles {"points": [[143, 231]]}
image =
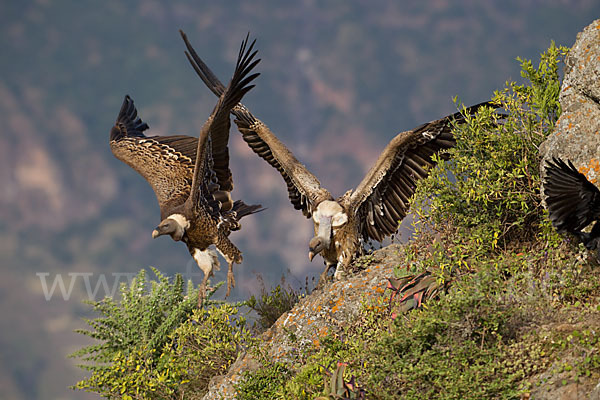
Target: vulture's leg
{"points": [[207, 261], [324, 278], [230, 278], [339, 272], [232, 255], [202, 290]]}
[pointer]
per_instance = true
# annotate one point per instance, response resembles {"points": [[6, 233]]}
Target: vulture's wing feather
{"points": [[128, 123], [166, 162], [186, 145], [218, 124], [382, 198], [304, 189], [220, 150], [573, 201]]}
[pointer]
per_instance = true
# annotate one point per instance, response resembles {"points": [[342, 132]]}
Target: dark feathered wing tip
{"points": [[128, 123], [240, 82], [461, 116], [207, 76], [242, 209], [245, 58], [573, 202], [440, 131]]}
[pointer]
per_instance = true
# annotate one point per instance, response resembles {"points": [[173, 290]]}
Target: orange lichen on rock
{"points": [[593, 166]]}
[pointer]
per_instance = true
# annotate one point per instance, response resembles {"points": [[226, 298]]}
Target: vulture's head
{"points": [[315, 246], [328, 217], [170, 226]]}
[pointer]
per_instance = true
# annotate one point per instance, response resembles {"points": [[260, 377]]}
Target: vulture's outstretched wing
{"points": [[573, 201], [218, 124], [382, 198], [166, 162], [304, 189]]}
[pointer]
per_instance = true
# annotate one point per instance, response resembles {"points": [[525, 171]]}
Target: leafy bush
{"points": [[264, 384], [156, 344], [270, 306], [496, 167], [141, 318], [485, 197]]}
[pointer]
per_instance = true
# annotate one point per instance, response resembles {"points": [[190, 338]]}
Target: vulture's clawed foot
{"points": [[339, 274], [325, 277], [202, 289], [201, 294], [230, 279]]}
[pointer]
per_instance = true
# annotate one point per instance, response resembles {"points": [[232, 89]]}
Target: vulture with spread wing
{"points": [[381, 200], [573, 202], [191, 177]]}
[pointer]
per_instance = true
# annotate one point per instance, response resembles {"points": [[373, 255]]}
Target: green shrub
{"points": [[270, 306], [156, 344], [264, 384], [203, 347], [142, 318], [496, 168]]}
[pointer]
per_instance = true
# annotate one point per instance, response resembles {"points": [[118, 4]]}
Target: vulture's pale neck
{"points": [[181, 220], [328, 217]]}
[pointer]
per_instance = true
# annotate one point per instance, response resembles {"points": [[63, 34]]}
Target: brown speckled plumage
{"points": [[190, 176]]}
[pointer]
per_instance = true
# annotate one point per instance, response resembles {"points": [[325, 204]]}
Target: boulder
{"points": [[577, 133]]}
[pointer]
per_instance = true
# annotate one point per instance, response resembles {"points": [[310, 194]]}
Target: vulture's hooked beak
{"points": [[155, 234], [316, 246]]}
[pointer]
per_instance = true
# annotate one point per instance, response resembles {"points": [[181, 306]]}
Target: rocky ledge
{"points": [[322, 312]]}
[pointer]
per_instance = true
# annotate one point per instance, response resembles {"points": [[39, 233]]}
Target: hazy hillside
{"points": [[338, 81]]}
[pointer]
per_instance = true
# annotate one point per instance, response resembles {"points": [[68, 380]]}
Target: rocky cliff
{"points": [[577, 133]]}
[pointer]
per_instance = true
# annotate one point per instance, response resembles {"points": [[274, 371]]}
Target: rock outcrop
{"points": [[322, 312], [577, 133]]}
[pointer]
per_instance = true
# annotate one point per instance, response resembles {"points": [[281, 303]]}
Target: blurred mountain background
{"points": [[339, 80]]}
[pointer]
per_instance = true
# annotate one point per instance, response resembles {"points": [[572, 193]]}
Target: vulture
{"points": [[191, 177], [573, 202], [373, 210]]}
